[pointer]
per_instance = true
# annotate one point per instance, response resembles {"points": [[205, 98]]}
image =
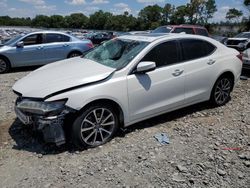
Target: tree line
{"points": [[150, 17]]}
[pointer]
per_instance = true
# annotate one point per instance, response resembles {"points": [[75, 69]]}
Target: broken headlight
{"points": [[41, 108]]}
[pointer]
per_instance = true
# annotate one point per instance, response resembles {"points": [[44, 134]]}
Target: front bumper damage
{"points": [[51, 126]]}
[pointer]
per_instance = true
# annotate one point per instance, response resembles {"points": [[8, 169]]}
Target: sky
{"points": [[30, 8]]}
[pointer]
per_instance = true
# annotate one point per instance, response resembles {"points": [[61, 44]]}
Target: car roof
{"points": [[184, 26], [46, 32], [151, 37]]}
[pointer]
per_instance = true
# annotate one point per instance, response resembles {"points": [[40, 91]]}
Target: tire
{"points": [[220, 94], [4, 65], [95, 126], [74, 54]]}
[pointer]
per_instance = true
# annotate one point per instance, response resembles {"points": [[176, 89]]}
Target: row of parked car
{"points": [[42, 47]]}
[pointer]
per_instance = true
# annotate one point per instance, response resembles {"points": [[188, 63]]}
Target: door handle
{"points": [[177, 72], [211, 62], [65, 45]]}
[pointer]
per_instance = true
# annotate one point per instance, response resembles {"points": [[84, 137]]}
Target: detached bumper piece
{"points": [[45, 117]]}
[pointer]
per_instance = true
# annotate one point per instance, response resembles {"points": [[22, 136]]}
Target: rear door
{"points": [[56, 47], [159, 90], [199, 63]]}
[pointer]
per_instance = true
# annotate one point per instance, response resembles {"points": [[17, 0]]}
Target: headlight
{"points": [[42, 108], [241, 46]]}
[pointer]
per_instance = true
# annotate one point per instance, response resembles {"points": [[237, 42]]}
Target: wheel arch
{"points": [[228, 74], [114, 104], [73, 51], [6, 58]]}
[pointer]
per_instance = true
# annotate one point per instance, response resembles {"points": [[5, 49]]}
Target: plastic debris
{"points": [[162, 138]]}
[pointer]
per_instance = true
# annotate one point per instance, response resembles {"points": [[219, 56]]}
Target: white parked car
{"points": [[123, 81]]}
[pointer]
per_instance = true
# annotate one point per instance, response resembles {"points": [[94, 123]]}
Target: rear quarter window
{"points": [[195, 48]]}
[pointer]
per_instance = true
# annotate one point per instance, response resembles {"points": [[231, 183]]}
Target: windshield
{"points": [[116, 53], [162, 30], [243, 35], [12, 40]]}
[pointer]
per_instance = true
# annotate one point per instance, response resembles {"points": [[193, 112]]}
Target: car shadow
{"points": [[27, 139], [24, 69]]}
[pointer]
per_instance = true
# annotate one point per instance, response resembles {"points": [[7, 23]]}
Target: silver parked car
{"points": [[124, 81], [39, 48]]}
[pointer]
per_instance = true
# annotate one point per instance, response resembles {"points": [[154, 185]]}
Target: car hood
{"points": [[3, 47], [61, 75]]}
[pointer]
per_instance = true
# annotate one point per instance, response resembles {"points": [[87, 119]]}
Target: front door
{"points": [[32, 53], [160, 90]]}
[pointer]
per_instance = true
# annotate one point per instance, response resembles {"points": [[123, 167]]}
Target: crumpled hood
{"points": [[61, 75]]}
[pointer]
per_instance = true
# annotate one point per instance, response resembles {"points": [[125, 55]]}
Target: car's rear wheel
{"points": [[221, 92], [74, 54], [4, 65], [96, 126]]}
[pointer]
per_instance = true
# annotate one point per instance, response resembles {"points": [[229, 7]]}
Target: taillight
{"points": [[90, 45], [240, 56]]}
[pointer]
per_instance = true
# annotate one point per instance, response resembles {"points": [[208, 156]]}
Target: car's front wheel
{"points": [[4, 65], [221, 92], [95, 126]]}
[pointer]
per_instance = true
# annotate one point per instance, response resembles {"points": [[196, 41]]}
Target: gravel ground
{"points": [[209, 147]]}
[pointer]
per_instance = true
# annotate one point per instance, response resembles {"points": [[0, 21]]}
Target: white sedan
{"points": [[123, 81]]}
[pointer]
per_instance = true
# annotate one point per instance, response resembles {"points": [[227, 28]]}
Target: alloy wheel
{"points": [[97, 126], [3, 66], [222, 91]]}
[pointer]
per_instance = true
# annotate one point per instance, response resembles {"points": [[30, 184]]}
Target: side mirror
{"points": [[20, 44], [145, 66]]}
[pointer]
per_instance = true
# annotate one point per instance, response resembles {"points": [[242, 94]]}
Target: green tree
{"points": [[180, 15], [247, 4], [76, 20], [234, 14], [41, 21], [168, 12], [99, 19], [200, 11], [57, 21], [151, 16]]}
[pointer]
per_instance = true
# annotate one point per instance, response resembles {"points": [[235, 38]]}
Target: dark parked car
{"points": [[98, 38], [188, 29]]}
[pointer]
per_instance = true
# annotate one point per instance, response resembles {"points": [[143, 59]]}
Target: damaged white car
{"points": [[124, 81]]}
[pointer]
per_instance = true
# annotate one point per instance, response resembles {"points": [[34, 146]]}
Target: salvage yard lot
{"points": [[209, 147]]}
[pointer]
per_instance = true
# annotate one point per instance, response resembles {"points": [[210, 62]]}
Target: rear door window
{"points": [[185, 30], [202, 32], [195, 48], [50, 38], [164, 54]]}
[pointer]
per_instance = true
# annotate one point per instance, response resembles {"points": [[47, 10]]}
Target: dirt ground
{"points": [[209, 147]]}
